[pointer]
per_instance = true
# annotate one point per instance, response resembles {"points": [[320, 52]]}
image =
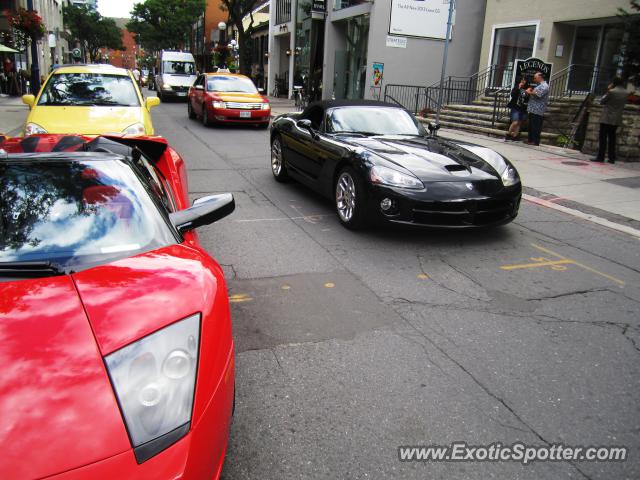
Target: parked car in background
{"points": [[377, 163], [89, 99], [228, 98], [116, 322], [175, 73]]}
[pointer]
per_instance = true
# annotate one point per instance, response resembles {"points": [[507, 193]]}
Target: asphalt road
{"points": [[352, 344]]}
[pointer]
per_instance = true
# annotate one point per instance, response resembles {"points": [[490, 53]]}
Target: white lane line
{"points": [[305, 217], [585, 216]]}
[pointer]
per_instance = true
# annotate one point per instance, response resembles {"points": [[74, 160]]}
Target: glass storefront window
{"points": [[510, 44], [351, 63], [340, 4], [308, 51]]}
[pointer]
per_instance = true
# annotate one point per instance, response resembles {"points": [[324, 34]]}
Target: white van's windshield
{"points": [[176, 67]]}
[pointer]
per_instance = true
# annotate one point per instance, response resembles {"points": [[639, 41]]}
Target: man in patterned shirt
{"points": [[538, 99]]}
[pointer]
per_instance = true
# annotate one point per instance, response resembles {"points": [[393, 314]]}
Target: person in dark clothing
{"points": [[611, 118], [518, 106]]}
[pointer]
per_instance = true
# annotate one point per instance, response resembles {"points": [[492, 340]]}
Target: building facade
{"points": [[207, 34], [127, 58], [579, 37], [53, 47], [257, 24], [353, 49]]}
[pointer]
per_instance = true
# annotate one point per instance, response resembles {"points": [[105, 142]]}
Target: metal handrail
{"points": [[499, 112]]}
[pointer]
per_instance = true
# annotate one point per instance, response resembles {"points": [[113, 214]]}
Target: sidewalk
{"points": [[281, 105], [12, 115]]}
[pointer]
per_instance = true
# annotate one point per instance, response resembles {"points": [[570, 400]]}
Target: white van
{"points": [[175, 73]]}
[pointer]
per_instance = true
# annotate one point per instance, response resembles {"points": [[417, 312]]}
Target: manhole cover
{"points": [[575, 164]]}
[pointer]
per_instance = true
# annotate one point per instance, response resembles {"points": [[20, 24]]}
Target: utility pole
{"points": [[35, 69], [444, 60]]}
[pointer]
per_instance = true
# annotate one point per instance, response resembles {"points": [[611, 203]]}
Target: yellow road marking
{"points": [[423, 276], [239, 298], [538, 263], [286, 287], [329, 285], [558, 264]]}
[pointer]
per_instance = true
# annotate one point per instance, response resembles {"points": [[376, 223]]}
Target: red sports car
{"points": [[115, 331]]}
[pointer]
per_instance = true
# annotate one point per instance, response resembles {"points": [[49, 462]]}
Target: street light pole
{"points": [[35, 69], [444, 60]]}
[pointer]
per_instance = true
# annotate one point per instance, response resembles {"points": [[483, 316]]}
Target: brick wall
{"points": [[628, 144]]}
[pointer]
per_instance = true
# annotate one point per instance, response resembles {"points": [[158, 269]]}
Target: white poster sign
{"points": [[396, 42], [419, 18]]}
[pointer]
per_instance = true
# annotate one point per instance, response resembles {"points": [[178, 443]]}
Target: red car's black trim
{"points": [[150, 449], [152, 149], [68, 142], [29, 144]]}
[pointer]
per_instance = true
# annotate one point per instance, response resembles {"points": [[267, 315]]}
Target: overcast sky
{"points": [[116, 8]]}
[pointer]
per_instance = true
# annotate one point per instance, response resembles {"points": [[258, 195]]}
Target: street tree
{"points": [[92, 30], [238, 10], [164, 24]]}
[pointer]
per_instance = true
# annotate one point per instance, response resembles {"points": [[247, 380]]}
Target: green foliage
{"points": [[92, 30], [566, 142], [631, 45], [238, 9], [164, 24]]}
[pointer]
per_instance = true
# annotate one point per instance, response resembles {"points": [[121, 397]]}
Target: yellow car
{"points": [[90, 100]]}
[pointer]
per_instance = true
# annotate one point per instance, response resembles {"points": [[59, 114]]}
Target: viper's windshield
{"points": [[373, 121]]}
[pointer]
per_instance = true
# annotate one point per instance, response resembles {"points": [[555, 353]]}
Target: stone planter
{"points": [[628, 135]]}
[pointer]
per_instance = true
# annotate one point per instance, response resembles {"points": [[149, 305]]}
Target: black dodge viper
{"points": [[376, 162]]}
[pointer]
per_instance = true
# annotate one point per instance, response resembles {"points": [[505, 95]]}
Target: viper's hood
{"points": [[434, 159]]}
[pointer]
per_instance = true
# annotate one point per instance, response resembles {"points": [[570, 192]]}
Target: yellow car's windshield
{"points": [[89, 89]]}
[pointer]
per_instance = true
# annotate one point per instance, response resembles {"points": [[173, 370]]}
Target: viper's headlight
{"points": [[388, 176], [33, 128], [217, 104], [154, 380], [167, 87], [509, 177], [135, 129]]}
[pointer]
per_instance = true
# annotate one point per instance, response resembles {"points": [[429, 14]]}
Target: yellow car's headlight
{"points": [[135, 129], [33, 128]]}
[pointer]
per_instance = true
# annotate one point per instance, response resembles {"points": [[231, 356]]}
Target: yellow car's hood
{"points": [[85, 120]]}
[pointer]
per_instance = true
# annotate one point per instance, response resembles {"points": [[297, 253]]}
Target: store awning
{"points": [[4, 48]]}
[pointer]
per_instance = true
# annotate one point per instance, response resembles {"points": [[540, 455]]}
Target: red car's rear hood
{"points": [[57, 407]]}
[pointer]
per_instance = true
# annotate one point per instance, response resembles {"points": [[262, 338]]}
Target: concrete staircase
{"points": [[477, 118]]}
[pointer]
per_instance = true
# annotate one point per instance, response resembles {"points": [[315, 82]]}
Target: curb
{"points": [[585, 216]]}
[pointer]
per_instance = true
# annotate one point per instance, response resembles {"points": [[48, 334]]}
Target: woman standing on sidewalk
{"points": [[518, 106]]}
